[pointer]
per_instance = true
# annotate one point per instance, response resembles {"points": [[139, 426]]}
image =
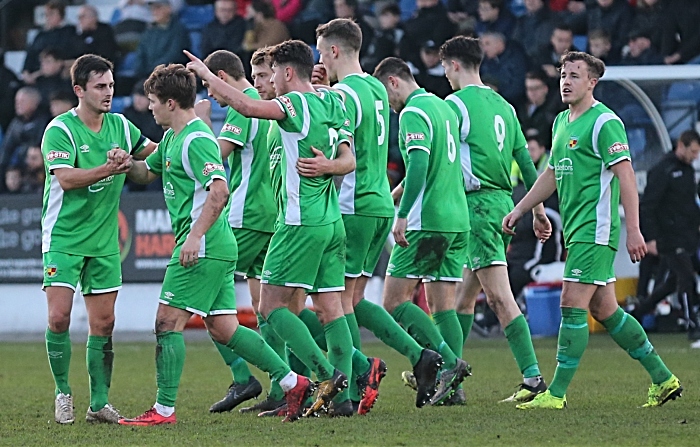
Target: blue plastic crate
{"points": [[543, 310]]}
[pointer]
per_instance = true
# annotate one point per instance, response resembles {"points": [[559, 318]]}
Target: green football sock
{"points": [[99, 358], [418, 324], [277, 344], [297, 365], [58, 349], [310, 319], [360, 364], [630, 336], [340, 350], [239, 368], [448, 325], [249, 345], [297, 336], [520, 342], [170, 358], [573, 338], [384, 327], [466, 321], [354, 330]]}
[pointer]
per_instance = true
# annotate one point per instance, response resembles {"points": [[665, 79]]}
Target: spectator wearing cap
{"points": [[680, 41], [51, 79], [429, 22], [55, 34], [538, 111], [25, 130], [640, 50], [431, 74], [384, 41], [600, 46], [96, 37], [496, 17], [615, 17], [226, 31], [267, 29], [534, 28], [504, 61], [163, 41]]}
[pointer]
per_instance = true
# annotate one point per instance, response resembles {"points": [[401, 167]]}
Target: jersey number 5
{"points": [[379, 106]]}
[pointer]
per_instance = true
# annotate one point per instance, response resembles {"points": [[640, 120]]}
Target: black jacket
{"points": [[220, 36], [99, 41], [669, 209]]}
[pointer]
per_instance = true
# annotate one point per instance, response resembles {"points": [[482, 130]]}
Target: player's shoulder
{"points": [[602, 114]]}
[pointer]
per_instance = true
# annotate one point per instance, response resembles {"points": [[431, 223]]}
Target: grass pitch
{"points": [[604, 402]]}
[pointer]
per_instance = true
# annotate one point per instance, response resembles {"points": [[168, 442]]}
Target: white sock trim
{"points": [[289, 381], [163, 410]]}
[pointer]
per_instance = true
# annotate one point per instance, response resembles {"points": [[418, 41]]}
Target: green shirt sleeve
{"points": [[416, 174], [204, 159], [527, 167], [292, 106], [612, 140], [236, 128], [154, 162], [414, 132], [58, 147]]}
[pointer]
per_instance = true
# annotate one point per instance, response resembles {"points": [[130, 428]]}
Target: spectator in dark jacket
{"points": [[505, 62], [55, 35], [641, 51], [496, 17], [650, 18], [681, 34], [25, 130], [431, 76], [225, 32], [349, 9], [139, 114], [533, 30], [96, 37], [600, 46], [62, 101], [34, 173], [430, 22], [163, 41], [9, 84], [615, 17], [671, 219], [539, 110], [547, 58], [51, 78], [385, 40]]}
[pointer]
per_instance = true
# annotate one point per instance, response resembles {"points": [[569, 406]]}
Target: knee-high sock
{"points": [[466, 321], [573, 339], [239, 368], [384, 327], [277, 344], [310, 319], [448, 325], [418, 324], [630, 336], [58, 349], [340, 350], [520, 342], [170, 358], [99, 357], [360, 365], [297, 336], [249, 345]]}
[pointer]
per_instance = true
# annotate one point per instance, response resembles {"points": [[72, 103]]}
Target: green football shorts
{"points": [[100, 274], [205, 288], [487, 242], [430, 256], [252, 249], [589, 263], [366, 237], [312, 258]]}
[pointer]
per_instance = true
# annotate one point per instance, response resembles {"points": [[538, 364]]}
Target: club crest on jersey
{"points": [[54, 155], [231, 128], [414, 136], [212, 167], [288, 104], [51, 271], [617, 148], [573, 143], [168, 162]]}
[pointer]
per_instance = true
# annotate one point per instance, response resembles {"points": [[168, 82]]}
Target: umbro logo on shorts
{"points": [[169, 295], [576, 272]]}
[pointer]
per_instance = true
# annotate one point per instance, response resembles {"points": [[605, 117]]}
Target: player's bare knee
{"points": [[58, 321], [103, 326], [165, 325]]}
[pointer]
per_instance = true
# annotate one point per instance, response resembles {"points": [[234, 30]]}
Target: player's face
{"points": [[219, 100], [262, 81], [450, 73], [326, 52], [575, 82], [280, 75], [396, 102], [160, 110], [98, 92]]}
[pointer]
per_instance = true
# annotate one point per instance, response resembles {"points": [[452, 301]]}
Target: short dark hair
{"points": [[393, 66], [537, 74], [87, 65], [57, 5], [296, 54], [599, 34], [466, 50], [498, 4], [223, 60], [261, 56], [172, 81], [344, 32], [63, 95], [52, 52], [563, 27], [688, 137], [264, 7], [390, 8], [596, 67]]}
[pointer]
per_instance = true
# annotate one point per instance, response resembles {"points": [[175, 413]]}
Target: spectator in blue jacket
{"points": [[496, 17], [506, 63], [163, 41]]}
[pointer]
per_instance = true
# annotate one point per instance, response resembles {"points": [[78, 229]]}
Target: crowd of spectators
{"points": [[522, 42]]}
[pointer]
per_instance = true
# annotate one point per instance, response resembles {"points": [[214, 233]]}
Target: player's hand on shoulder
{"points": [[203, 108]]}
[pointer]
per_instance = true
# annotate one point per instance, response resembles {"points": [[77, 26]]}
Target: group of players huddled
{"points": [[281, 221]]}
